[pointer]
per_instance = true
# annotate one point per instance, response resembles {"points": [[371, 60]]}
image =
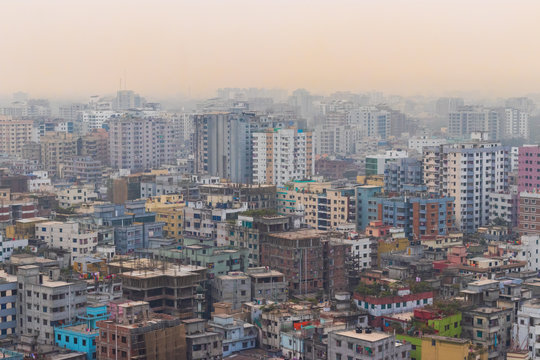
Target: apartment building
{"points": [[529, 168], [138, 143], [529, 213], [69, 236], [282, 155], [44, 302], [57, 149], [14, 134], [468, 172], [366, 344]]}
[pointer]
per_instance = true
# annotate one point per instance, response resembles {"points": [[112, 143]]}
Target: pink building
{"points": [[529, 168]]}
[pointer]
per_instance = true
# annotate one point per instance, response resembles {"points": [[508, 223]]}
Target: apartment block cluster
{"points": [[266, 226]]}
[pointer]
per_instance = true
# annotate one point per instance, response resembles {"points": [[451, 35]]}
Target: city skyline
{"points": [[64, 49]]}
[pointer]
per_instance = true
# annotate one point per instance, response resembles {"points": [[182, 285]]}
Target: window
{"points": [[338, 343], [478, 333]]}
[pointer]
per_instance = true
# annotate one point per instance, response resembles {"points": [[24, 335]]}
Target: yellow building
{"points": [[323, 207], [447, 348], [24, 228], [389, 244], [169, 210], [375, 180]]}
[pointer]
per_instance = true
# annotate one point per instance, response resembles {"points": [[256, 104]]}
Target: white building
{"points": [[8, 245], [527, 328], [94, 119], [41, 182], [370, 122], [282, 155], [469, 172], [76, 195], [375, 163], [67, 236], [14, 134], [504, 205], [237, 335], [529, 251], [514, 158], [516, 123], [360, 253], [418, 143]]}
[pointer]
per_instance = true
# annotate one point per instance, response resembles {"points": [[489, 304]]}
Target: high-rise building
{"points": [[138, 143], [401, 172], [444, 106], [57, 148], [469, 119], [14, 134], [529, 168], [282, 155], [468, 172], [516, 123], [128, 99], [370, 121]]}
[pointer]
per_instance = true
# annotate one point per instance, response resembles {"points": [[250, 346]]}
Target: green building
{"points": [[416, 345]]}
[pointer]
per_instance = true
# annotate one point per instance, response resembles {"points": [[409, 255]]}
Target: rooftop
{"points": [[370, 337], [298, 234]]}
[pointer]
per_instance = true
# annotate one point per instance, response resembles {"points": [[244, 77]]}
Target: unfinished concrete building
{"points": [[299, 256], [233, 288], [171, 289], [140, 334], [267, 284]]}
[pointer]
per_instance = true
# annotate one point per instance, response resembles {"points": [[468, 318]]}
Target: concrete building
{"points": [[84, 169], [68, 236], [366, 344], [171, 290], [401, 172], [375, 164], [468, 172], [256, 197], [490, 327], [367, 208], [39, 181], [138, 332], [299, 256], [8, 245], [57, 149], [322, 206], [82, 335], [237, 335], [469, 119], [516, 123], [233, 288], [44, 302], [96, 146], [504, 206], [95, 119], [138, 143], [528, 210], [529, 168], [449, 348], [527, 324], [360, 253], [268, 284], [76, 195], [202, 344], [14, 134], [8, 302], [282, 155], [418, 143]]}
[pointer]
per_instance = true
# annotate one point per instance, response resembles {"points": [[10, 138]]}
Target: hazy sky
{"points": [[77, 48]]}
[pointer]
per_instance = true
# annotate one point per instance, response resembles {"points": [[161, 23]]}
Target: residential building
{"points": [[96, 146], [233, 288], [375, 164], [529, 168], [83, 168], [137, 331], [267, 284], [95, 119], [237, 335], [401, 172], [14, 134], [504, 206], [529, 208], [8, 305], [367, 208], [469, 119], [299, 256], [256, 197], [39, 181], [57, 149], [449, 348], [419, 143], [282, 155], [528, 322], [8, 245], [139, 143], [44, 302], [365, 344], [82, 335], [490, 327], [468, 172], [516, 123], [202, 344], [76, 195], [322, 205], [360, 253], [69, 236]]}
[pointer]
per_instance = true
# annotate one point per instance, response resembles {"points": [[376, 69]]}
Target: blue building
{"points": [[367, 208], [8, 309], [82, 335], [237, 335], [401, 172], [10, 355]]}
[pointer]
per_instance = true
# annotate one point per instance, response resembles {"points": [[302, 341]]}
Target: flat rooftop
{"points": [[81, 328], [298, 234], [372, 337]]}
